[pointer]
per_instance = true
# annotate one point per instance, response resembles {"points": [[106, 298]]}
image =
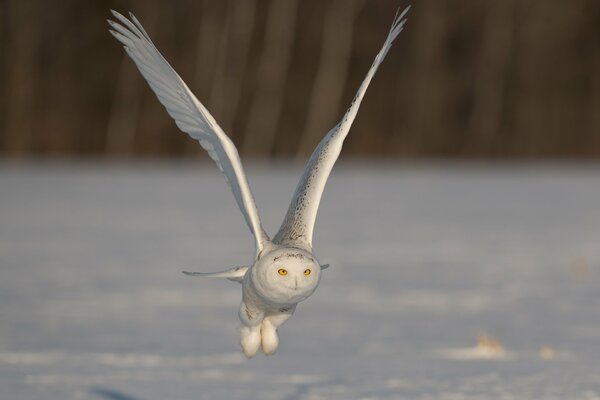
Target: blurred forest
{"points": [[466, 78]]}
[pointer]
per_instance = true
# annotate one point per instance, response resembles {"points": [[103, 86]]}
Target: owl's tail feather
{"points": [[235, 274]]}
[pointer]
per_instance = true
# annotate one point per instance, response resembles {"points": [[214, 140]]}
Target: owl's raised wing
{"points": [[189, 115], [297, 227]]}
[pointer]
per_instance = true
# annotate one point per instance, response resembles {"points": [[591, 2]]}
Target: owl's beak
{"points": [[296, 283]]}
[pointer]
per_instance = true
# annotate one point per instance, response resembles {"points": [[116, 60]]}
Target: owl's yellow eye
{"points": [[282, 271], [307, 271]]}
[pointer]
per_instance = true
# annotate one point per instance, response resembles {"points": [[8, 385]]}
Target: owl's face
{"points": [[286, 276]]}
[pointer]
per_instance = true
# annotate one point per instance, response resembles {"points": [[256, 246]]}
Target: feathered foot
{"points": [[269, 337], [250, 339]]}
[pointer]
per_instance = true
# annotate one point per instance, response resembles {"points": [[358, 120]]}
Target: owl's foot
{"points": [[269, 337], [250, 339]]}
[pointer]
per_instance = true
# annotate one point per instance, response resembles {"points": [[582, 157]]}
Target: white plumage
{"points": [[284, 271]]}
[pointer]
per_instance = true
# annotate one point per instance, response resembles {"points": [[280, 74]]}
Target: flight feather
{"points": [[189, 115], [297, 227]]}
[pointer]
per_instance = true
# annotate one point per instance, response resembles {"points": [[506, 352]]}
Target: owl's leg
{"points": [[268, 329], [251, 317]]}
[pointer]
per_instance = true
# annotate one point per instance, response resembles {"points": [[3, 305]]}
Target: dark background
{"points": [[466, 78]]}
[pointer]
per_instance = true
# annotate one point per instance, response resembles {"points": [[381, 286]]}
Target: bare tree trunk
{"points": [[4, 22], [227, 97], [548, 110], [19, 135], [429, 90], [332, 73], [485, 122], [593, 108], [210, 33], [272, 73], [124, 111]]}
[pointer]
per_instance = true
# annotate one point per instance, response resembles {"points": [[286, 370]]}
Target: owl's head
{"points": [[286, 275]]}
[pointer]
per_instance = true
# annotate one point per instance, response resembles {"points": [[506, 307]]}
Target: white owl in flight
{"points": [[284, 271]]}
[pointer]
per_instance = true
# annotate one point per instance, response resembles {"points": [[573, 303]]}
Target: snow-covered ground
{"points": [[424, 260]]}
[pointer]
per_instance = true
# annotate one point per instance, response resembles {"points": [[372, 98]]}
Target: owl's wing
{"points": [[234, 274], [189, 115], [297, 227]]}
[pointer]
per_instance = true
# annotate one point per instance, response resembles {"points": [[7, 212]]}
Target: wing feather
{"points": [[234, 274], [189, 115], [298, 224]]}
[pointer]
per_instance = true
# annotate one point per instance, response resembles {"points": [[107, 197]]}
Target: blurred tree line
{"points": [[467, 78]]}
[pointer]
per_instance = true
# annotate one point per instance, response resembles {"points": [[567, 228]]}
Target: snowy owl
{"points": [[284, 271]]}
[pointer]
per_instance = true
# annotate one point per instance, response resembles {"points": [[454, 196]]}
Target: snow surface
{"points": [[424, 258]]}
